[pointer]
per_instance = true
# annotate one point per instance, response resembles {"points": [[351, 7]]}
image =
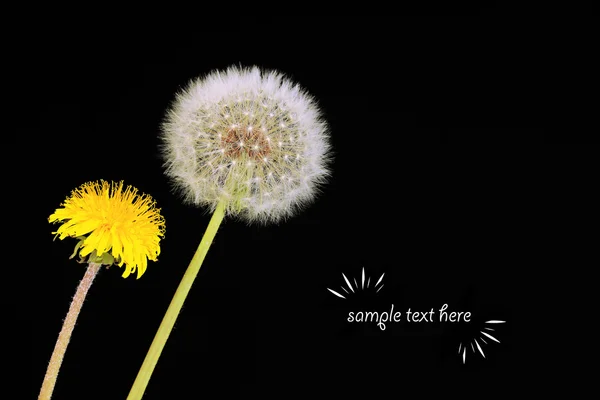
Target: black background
{"points": [[437, 132]]}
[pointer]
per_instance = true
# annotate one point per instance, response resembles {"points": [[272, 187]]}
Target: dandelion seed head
{"points": [[291, 145]]}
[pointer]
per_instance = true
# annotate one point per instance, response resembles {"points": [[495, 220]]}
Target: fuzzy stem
{"points": [[141, 381], [65, 333]]}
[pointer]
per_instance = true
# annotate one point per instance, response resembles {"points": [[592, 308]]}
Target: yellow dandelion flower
{"points": [[122, 225]]}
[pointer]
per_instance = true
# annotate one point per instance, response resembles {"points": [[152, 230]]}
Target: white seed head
{"points": [[264, 174]]}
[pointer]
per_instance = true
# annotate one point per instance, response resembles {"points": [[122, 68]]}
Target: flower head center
{"points": [[245, 142]]}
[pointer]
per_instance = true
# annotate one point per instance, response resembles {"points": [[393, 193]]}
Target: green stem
{"points": [[141, 381], [65, 333]]}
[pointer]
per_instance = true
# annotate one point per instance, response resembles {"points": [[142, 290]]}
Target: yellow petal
{"points": [[142, 267], [127, 271], [117, 246], [83, 227], [104, 241]]}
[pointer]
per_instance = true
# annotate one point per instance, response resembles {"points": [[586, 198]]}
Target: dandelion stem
{"points": [[65, 333], [164, 330]]}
